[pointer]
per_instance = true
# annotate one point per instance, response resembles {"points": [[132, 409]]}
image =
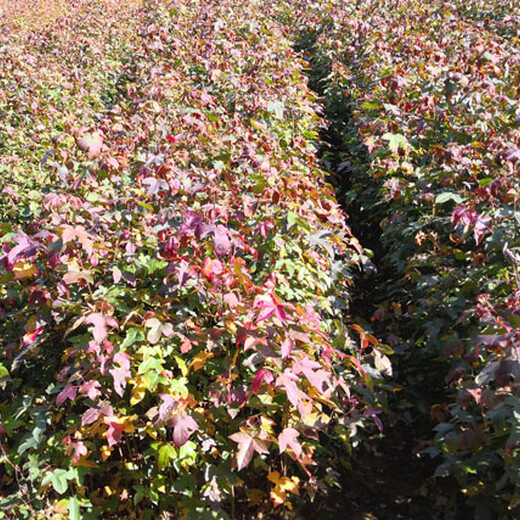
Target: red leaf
{"points": [[211, 268], [231, 299], [186, 345], [154, 334], [269, 305], [77, 447], [262, 375], [287, 380], [357, 364], [157, 329], [313, 372], [114, 432]]}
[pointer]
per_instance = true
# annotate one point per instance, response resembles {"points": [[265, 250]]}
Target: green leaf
{"points": [[3, 371], [291, 219], [151, 363], [185, 484], [144, 205], [448, 196], [276, 108], [188, 453], [396, 142], [370, 105], [59, 479], [132, 336], [74, 510], [28, 443], [166, 453], [179, 385], [294, 219]]}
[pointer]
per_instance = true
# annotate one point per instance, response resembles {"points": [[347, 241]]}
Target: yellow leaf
{"points": [[155, 106], [23, 270], [274, 477], [314, 394], [199, 360], [83, 461], [283, 485], [255, 496], [109, 491], [106, 451], [182, 366], [266, 424], [138, 391], [151, 430], [231, 326], [258, 125]]}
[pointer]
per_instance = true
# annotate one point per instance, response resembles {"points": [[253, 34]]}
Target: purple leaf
{"points": [[288, 439], [90, 389], [25, 246], [313, 372], [100, 323], [511, 154], [464, 216], [122, 373], [247, 446], [183, 426], [169, 405], [374, 413], [287, 347], [155, 185], [482, 225], [222, 243], [69, 392], [90, 416]]}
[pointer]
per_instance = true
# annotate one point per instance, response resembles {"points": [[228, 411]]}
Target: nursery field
{"points": [[259, 259]]}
